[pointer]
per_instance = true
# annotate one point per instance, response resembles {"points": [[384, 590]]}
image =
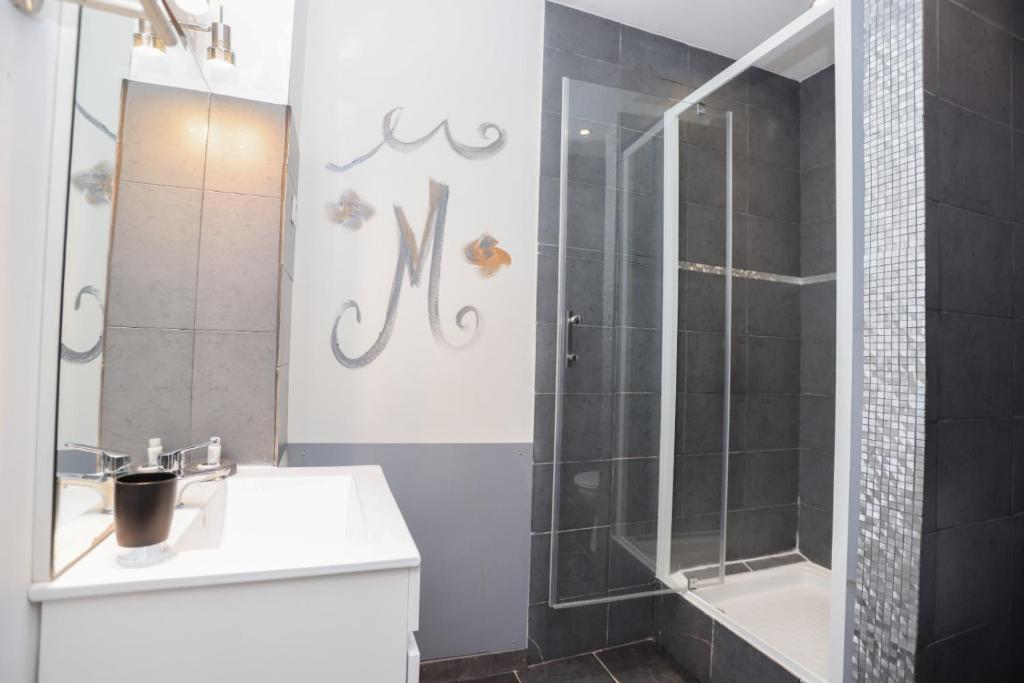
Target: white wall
{"points": [[28, 58], [469, 61], [261, 37]]}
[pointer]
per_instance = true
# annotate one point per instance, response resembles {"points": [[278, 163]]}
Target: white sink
{"points": [[302, 574]]}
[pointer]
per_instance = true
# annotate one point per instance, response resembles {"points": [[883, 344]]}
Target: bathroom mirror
{"points": [[114, 54]]}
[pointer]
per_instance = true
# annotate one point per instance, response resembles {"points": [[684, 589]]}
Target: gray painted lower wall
{"points": [[468, 509]]}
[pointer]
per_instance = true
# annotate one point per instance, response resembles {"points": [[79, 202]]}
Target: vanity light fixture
{"points": [[219, 51], [584, 131], [145, 41], [153, 12]]}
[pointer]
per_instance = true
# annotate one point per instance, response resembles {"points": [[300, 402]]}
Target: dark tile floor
{"points": [[642, 662]]}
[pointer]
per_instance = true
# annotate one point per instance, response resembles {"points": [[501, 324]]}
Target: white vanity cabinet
{"points": [[278, 575]]}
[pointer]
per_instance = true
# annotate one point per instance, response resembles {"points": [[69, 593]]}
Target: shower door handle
{"points": [[571, 321]]}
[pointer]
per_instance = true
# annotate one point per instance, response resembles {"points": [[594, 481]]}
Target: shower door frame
{"points": [[847, 21]]}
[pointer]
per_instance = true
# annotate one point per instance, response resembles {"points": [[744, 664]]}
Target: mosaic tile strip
{"points": [[893, 417], [710, 269]]}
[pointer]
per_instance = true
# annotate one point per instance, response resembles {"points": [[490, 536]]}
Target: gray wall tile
{"points": [[773, 192], [654, 54], [974, 471], [586, 426], [685, 633], [639, 293], [165, 134], [763, 478], [630, 621], [817, 137], [555, 634], [817, 92], [973, 577], [582, 563], [774, 309], [815, 529], [1018, 82], [818, 193], [147, 385], [246, 151], [816, 479], [970, 161], [153, 257], [697, 485], [734, 660], [774, 365], [817, 422], [704, 236], [763, 531], [234, 392], [772, 421], [559, 64], [581, 33], [706, 65], [1018, 467], [974, 62], [774, 93], [643, 420], [702, 423], [975, 357], [705, 303], [239, 257], [818, 310], [818, 247], [773, 246], [774, 138], [582, 505], [1003, 13], [975, 267], [817, 366]]}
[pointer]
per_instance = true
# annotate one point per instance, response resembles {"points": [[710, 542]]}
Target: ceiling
{"points": [[727, 27]]}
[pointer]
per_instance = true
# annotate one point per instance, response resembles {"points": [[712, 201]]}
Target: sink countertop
{"points": [[264, 523]]}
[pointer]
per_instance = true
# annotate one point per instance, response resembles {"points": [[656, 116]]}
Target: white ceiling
{"points": [[727, 27]]}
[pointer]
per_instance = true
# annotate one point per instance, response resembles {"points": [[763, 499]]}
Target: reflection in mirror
{"points": [[106, 59]]}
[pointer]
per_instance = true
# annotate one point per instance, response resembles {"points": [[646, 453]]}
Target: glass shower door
{"points": [[614, 492], [705, 350]]}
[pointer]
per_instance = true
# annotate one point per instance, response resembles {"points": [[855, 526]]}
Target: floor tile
{"points": [[582, 669], [508, 677], [642, 662]]}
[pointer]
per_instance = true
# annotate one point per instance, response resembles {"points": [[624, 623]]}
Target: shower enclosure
{"points": [[649, 516], [693, 340]]}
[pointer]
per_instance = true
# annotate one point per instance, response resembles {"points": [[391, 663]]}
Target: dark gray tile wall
{"points": [[766, 355], [709, 650], [606, 459], [782, 368], [817, 314], [195, 233], [972, 564]]}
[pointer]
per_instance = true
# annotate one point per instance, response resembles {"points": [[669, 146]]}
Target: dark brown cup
{"points": [[144, 508]]}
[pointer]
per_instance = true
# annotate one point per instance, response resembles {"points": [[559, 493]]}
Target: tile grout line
{"points": [[604, 666]]}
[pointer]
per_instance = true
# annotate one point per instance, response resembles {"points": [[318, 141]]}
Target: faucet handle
{"points": [[176, 460], [107, 462]]}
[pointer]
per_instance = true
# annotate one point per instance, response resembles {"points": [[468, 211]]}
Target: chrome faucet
{"points": [[175, 461], [193, 473], [109, 466]]}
